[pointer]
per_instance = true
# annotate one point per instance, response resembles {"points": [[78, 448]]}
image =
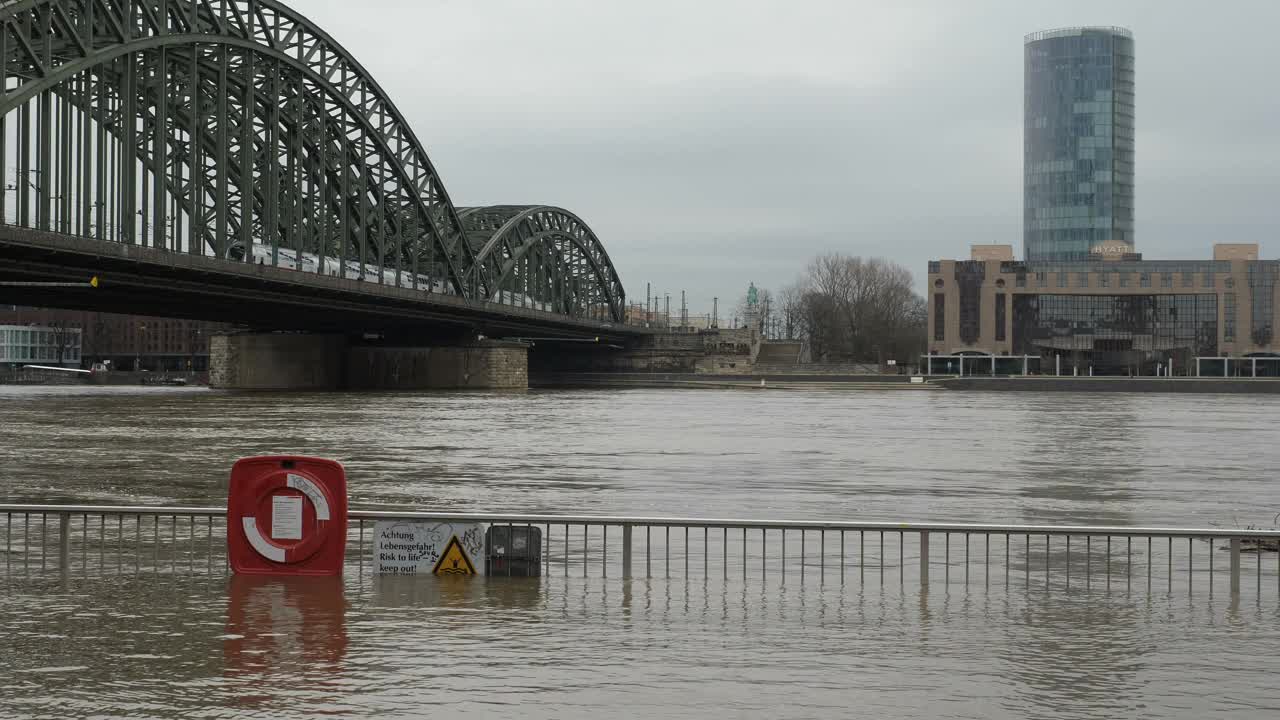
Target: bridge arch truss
{"points": [[239, 129], [547, 258]]}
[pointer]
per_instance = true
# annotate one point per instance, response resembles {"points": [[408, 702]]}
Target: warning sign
{"points": [[286, 517], [418, 547], [454, 560]]}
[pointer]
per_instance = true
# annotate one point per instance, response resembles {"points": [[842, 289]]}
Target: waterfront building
{"points": [[127, 342], [1114, 313], [39, 345], [1078, 142]]}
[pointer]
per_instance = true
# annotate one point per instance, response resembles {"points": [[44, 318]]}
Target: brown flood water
{"points": [[119, 645]]}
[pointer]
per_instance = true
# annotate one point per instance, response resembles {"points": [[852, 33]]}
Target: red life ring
{"points": [[316, 508]]}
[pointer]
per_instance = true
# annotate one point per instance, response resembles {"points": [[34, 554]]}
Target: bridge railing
{"points": [[152, 539]]}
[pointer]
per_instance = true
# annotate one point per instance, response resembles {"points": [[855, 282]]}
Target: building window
{"points": [[1207, 280], [1020, 280], [1062, 278], [1040, 279], [1229, 317], [1116, 323], [1262, 282], [939, 316], [1188, 278], [969, 276], [1104, 279], [1124, 279], [1082, 279], [1144, 280], [1166, 280], [1000, 316]]}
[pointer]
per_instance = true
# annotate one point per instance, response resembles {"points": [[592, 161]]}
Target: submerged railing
{"points": [[85, 538]]}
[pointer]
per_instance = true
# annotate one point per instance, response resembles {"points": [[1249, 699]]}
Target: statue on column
{"points": [[752, 318]]}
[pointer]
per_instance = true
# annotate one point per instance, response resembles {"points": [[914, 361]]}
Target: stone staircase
{"points": [[779, 352], [782, 357]]}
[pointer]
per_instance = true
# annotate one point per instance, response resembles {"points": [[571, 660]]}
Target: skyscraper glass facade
{"points": [[1078, 158]]}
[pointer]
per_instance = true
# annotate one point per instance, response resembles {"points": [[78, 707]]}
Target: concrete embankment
{"points": [[1112, 384], [746, 382], [903, 382], [159, 377], [40, 377], [115, 377]]}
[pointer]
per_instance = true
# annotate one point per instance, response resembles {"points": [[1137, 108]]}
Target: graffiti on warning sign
{"points": [[412, 547]]}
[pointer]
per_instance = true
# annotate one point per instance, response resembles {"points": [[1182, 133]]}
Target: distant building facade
{"points": [[128, 341], [1113, 314], [1078, 142], [39, 345]]}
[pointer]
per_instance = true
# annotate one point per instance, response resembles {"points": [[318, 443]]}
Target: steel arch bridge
{"points": [[237, 129]]}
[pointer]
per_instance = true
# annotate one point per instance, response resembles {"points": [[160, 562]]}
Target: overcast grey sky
{"points": [[710, 143]]}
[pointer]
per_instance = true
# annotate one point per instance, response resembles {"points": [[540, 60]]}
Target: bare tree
{"points": [[791, 310], [767, 310], [853, 309], [62, 333], [95, 340]]}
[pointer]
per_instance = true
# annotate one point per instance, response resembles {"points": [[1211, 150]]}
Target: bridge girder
{"points": [[239, 129]]}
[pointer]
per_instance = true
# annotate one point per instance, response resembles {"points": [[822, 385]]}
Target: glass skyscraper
{"points": [[1078, 143]]}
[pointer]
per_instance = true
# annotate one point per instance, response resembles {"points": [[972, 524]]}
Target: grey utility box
{"points": [[513, 551]]}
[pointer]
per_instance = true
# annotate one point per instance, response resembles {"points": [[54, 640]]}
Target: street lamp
{"points": [[137, 347], [195, 345]]}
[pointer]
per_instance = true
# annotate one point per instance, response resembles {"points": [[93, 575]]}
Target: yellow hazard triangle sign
{"points": [[454, 560]]}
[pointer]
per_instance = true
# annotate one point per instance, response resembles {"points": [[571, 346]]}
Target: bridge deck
{"points": [[144, 280]]}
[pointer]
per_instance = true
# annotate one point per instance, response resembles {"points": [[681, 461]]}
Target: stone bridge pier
{"points": [[319, 362]]}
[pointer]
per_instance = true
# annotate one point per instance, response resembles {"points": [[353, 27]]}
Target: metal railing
{"points": [[85, 538]]}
